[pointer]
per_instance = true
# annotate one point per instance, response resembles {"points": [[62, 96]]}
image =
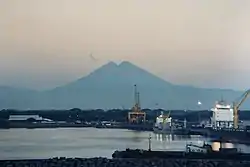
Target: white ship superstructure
{"points": [[163, 122], [222, 115]]}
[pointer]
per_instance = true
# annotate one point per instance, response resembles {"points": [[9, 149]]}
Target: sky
{"points": [[204, 43]]}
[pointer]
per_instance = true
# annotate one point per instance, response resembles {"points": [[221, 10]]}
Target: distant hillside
{"points": [[111, 86], [14, 98]]}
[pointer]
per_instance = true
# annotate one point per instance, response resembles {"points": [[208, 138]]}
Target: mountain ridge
{"points": [[111, 86]]}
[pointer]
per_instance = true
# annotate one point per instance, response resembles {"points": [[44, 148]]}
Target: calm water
{"points": [[85, 142]]}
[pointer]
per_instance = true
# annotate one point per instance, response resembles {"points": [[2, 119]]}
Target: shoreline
{"points": [[98, 162], [73, 125]]}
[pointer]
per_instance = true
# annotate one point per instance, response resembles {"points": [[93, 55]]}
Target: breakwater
{"points": [[104, 162]]}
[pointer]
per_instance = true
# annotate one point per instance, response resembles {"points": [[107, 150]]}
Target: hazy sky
{"points": [[46, 43]]}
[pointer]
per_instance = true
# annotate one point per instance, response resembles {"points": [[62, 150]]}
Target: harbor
{"points": [[215, 139], [219, 140], [222, 123]]}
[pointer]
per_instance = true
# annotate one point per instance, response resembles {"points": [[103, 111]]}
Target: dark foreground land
{"points": [[103, 162]]}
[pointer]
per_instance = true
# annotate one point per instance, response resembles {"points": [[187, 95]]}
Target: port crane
{"points": [[236, 106], [136, 115]]}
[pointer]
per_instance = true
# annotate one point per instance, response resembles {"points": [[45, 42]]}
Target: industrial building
{"points": [[24, 118]]}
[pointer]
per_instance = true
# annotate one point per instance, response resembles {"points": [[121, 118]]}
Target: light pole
{"points": [[149, 142], [185, 120], [199, 104]]}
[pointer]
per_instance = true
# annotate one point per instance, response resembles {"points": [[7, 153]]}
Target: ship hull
{"points": [[230, 136], [224, 135]]}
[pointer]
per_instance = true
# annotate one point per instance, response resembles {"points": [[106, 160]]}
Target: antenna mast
{"points": [[138, 101], [137, 106], [135, 93]]}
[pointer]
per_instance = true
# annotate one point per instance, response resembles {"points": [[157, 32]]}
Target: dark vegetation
{"points": [[101, 115], [115, 114]]}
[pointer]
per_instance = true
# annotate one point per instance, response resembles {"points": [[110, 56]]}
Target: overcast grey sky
{"points": [[46, 43]]}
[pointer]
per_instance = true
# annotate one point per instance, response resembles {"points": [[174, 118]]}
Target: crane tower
{"points": [[136, 115]]}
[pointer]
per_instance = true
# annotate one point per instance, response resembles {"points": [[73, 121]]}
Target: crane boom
{"points": [[169, 114], [236, 107]]}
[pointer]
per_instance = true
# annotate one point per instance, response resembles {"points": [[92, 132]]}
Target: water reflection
{"points": [[171, 142], [88, 142], [197, 140], [170, 137], [161, 137]]}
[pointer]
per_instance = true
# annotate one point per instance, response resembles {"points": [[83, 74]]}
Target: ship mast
{"points": [[135, 96]]}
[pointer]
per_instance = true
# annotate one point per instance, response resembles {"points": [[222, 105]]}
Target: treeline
{"points": [[115, 114]]}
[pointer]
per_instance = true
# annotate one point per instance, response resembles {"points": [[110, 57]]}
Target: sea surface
{"points": [[87, 142]]}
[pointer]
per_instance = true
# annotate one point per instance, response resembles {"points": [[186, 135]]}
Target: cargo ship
{"points": [[164, 125], [222, 125]]}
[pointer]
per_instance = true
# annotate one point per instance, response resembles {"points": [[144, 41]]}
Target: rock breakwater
{"points": [[104, 162]]}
